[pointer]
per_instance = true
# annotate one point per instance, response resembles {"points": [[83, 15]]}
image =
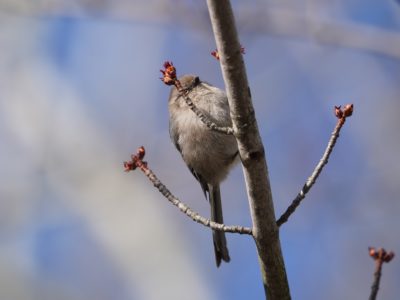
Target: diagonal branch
{"points": [[170, 78], [205, 119], [341, 114], [137, 162]]}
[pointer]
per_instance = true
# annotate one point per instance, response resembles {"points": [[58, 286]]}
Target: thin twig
{"points": [[377, 279], [380, 256], [170, 78], [342, 115], [204, 118], [137, 162]]}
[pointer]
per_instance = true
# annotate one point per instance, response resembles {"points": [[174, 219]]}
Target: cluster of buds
{"points": [[380, 254], [169, 73], [216, 54], [136, 161], [347, 111]]}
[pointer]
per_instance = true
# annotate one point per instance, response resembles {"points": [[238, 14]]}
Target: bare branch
{"points": [[251, 150], [137, 162], [347, 111], [380, 256]]}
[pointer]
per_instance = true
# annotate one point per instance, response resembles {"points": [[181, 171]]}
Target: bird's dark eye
{"points": [[196, 81]]}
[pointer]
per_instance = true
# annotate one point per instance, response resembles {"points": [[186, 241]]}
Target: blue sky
{"points": [[80, 92]]}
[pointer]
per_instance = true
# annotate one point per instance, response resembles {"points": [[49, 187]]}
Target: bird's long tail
{"points": [[219, 239]]}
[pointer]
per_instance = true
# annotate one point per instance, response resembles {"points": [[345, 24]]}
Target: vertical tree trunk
{"points": [[265, 230]]}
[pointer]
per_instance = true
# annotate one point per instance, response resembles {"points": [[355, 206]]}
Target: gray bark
{"points": [[265, 230]]}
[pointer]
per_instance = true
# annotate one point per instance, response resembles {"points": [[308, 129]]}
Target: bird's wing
{"points": [[175, 139], [203, 183]]}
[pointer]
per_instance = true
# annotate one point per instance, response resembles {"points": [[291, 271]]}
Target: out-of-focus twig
{"points": [[254, 20], [137, 162], [380, 256], [341, 115], [170, 78]]}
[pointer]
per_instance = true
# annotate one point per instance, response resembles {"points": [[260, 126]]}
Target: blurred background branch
{"points": [[258, 18]]}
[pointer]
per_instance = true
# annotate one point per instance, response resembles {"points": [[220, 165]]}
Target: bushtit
{"points": [[208, 154]]}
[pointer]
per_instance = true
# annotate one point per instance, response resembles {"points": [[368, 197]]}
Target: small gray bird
{"points": [[208, 154]]}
